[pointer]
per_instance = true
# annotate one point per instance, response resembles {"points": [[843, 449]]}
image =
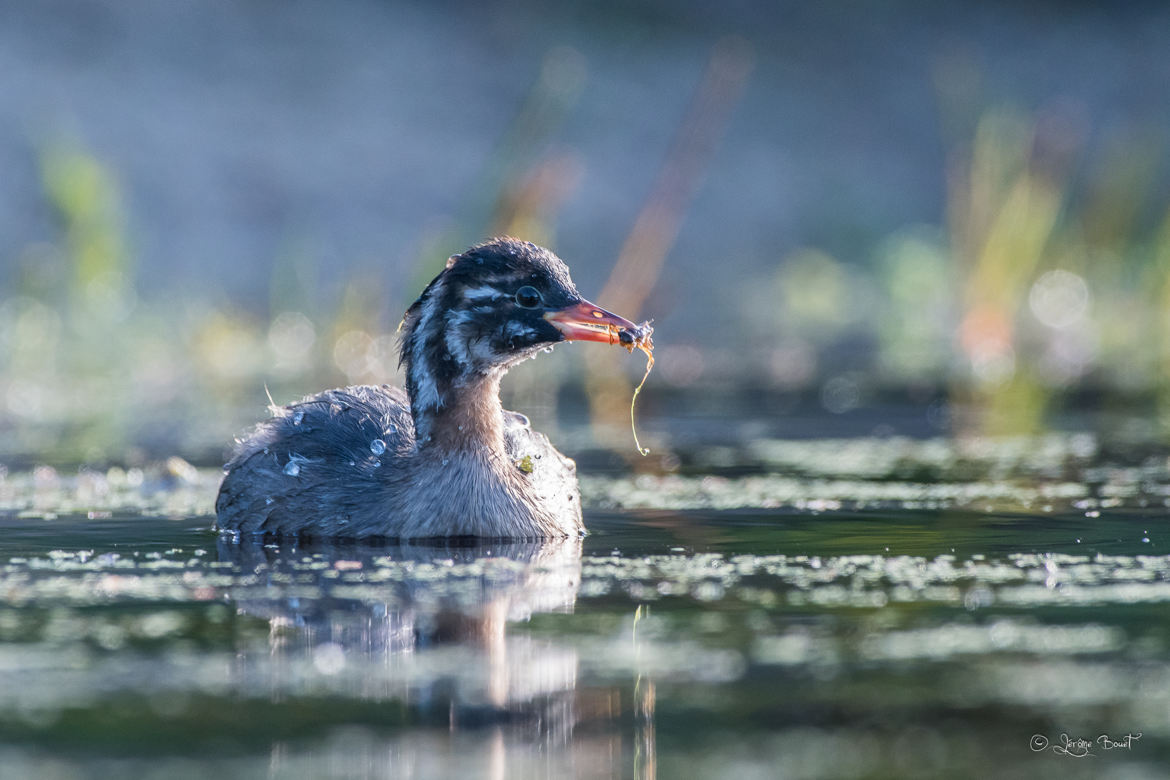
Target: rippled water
{"points": [[820, 616]]}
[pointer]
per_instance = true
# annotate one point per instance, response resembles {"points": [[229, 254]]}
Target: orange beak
{"points": [[584, 321]]}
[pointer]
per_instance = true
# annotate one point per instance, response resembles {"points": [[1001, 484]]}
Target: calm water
{"points": [[850, 634]]}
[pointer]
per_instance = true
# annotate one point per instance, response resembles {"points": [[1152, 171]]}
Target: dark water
{"points": [[736, 643]]}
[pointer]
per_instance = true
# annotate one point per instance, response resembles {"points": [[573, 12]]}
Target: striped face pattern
{"points": [[484, 313]]}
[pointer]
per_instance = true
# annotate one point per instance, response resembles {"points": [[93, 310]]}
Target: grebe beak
{"points": [[584, 321]]}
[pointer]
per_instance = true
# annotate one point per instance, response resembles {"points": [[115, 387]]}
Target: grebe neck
{"points": [[471, 419]]}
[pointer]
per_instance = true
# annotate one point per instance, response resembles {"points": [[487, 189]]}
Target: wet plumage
{"points": [[442, 459]]}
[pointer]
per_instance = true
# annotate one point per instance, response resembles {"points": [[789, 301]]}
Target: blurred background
{"points": [[905, 217]]}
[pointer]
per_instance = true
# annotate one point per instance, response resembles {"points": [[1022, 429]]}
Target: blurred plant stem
{"points": [[656, 228], [86, 200], [84, 194], [1003, 213]]}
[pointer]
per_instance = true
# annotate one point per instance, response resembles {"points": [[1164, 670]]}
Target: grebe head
{"points": [[493, 306]]}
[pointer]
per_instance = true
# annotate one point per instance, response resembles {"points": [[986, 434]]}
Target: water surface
{"points": [[856, 632]]}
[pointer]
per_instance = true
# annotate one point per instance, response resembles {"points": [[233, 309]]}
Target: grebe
{"points": [[443, 458]]}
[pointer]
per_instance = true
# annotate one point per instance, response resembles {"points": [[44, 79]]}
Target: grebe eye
{"points": [[528, 297]]}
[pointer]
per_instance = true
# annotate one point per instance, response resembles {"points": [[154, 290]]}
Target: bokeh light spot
{"points": [[1059, 298]]}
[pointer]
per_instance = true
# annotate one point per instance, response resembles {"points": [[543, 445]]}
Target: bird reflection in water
{"points": [[425, 628]]}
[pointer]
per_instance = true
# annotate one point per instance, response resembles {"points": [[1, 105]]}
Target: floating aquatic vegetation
{"points": [[639, 338]]}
